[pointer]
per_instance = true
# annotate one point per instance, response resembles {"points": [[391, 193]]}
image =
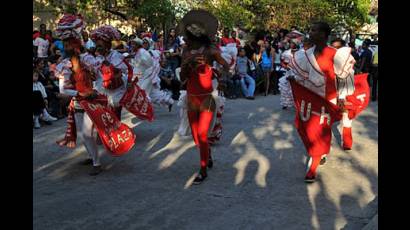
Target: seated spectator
{"points": [[48, 80], [233, 86], [40, 103], [246, 81]]}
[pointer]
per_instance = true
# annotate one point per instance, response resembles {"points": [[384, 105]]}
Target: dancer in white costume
{"points": [[147, 67], [183, 108], [286, 97], [103, 36]]}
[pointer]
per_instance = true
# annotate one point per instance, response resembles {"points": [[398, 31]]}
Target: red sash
{"points": [[130, 71], [135, 100], [117, 137], [360, 97], [314, 118]]}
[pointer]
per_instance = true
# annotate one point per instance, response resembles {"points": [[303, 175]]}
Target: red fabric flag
{"points": [[136, 101], [314, 118], [117, 137], [360, 97]]}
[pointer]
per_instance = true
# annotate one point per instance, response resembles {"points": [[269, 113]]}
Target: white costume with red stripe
{"points": [[147, 67], [286, 98], [335, 83], [83, 121], [117, 60]]}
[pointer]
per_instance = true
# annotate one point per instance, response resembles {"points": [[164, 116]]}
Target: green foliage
{"points": [[248, 14], [156, 12]]}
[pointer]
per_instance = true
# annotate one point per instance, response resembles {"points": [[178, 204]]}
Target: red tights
{"points": [[200, 122]]}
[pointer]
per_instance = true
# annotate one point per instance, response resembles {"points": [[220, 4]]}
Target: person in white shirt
{"points": [[41, 44]]}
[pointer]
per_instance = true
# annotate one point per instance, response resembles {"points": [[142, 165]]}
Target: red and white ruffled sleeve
{"points": [[343, 67], [63, 73]]}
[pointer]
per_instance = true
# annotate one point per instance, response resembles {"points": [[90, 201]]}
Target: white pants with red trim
{"points": [[346, 127], [84, 126]]}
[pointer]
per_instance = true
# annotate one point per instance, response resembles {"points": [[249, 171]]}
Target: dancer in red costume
{"points": [[88, 110], [326, 86], [76, 83], [198, 27]]}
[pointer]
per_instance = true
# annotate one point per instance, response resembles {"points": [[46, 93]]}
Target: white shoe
{"points": [[36, 123], [48, 117]]}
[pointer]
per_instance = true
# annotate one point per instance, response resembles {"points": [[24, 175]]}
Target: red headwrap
{"points": [[106, 33]]}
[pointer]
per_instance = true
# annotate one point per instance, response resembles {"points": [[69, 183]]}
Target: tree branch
{"points": [[119, 14]]}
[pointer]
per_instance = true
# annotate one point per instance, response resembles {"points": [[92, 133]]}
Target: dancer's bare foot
{"points": [[71, 144], [64, 142]]}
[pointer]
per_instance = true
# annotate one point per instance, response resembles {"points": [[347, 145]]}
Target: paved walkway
{"points": [[256, 182]]}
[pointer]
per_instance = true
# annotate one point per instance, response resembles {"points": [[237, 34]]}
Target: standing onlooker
{"points": [[36, 33], [375, 74], [278, 70], [229, 50], [42, 44], [276, 74], [338, 43], [267, 58], [225, 40], [88, 43], [129, 43], [85, 39], [159, 44], [238, 43], [354, 52], [168, 80], [242, 69], [365, 58], [250, 50], [57, 47], [172, 50]]}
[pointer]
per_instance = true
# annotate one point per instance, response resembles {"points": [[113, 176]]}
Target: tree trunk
{"points": [[350, 34]]}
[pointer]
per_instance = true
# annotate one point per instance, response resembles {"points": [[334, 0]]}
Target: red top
{"points": [[36, 35], [225, 41], [82, 81], [200, 81]]}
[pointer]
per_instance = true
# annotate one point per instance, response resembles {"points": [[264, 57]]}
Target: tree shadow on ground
{"points": [[258, 185]]}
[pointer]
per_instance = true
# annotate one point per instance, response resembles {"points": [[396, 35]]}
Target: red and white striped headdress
{"points": [[105, 33], [70, 26]]}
